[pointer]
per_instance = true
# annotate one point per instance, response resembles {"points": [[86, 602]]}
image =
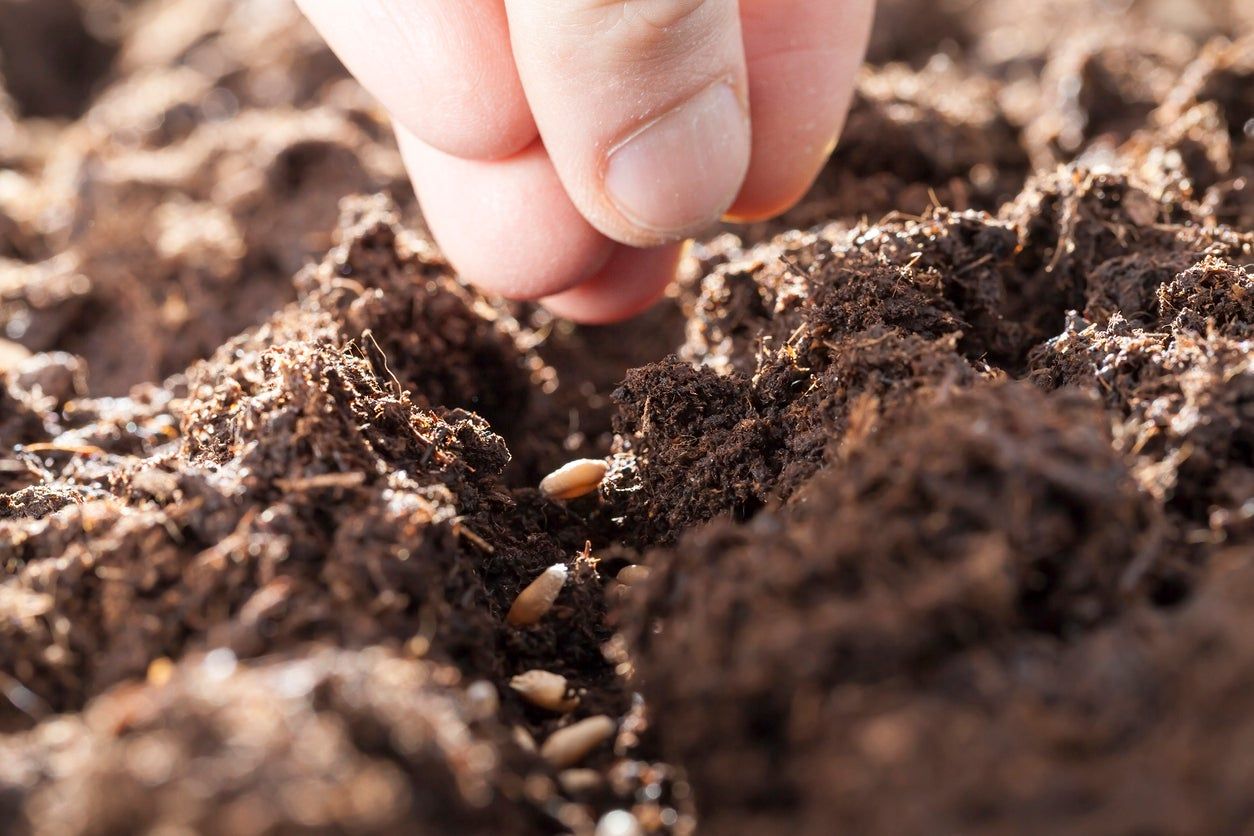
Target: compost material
{"points": [[927, 507]]}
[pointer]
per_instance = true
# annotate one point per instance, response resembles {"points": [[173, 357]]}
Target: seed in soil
{"points": [[534, 602], [524, 739], [568, 746], [574, 479], [544, 689], [633, 575], [575, 781]]}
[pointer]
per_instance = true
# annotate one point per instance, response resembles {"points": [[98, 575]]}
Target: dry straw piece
{"points": [[573, 479], [566, 747], [534, 602], [544, 689]]}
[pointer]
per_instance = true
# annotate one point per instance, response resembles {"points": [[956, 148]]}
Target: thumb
{"points": [[642, 106]]}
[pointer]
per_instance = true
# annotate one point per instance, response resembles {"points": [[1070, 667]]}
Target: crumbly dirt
{"points": [[944, 479]]}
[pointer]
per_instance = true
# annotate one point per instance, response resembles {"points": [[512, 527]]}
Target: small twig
{"points": [[322, 480], [76, 449], [384, 358], [794, 268], [460, 530]]}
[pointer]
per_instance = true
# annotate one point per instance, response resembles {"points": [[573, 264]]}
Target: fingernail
{"points": [[682, 170]]}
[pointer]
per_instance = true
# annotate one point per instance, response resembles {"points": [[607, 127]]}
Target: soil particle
{"points": [[305, 493], [752, 421], [1184, 401], [939, 537], [269, 471], [333, 741], [183, 200], [42, 83], [414, 323], [1101, 89], [1086, 736], [1211, 296]]}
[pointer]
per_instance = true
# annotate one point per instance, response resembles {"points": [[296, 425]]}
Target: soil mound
{"points": [[929, 506]]}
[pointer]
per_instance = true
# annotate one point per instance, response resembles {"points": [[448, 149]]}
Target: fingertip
{"points": [[474, 129], [629, 283], [506, 226], [678, 174], [645, 111], [773, 187], [803, 58], [442, 70]]}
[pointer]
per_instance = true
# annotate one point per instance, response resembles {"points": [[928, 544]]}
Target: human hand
{"points": [[562, 148]]}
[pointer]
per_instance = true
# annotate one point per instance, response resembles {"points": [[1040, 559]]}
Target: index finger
{"points": [[442, 68]]}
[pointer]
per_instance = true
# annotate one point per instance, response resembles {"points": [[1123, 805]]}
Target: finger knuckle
{"points": [[661, 15], [645, 22]]}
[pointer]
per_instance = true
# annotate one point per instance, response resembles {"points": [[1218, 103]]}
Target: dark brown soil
{"points": [[945, 479], [330, 742]]}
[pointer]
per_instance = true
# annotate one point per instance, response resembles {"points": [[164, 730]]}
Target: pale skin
{"points": [[562, 150]]}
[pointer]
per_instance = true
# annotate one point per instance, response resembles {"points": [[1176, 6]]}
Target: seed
{"points": [[538, 788], [537, 599], [566, 747], [524, 739], [574, 479], [616, 592], [632, 575], [576, 818], [544, 689], [576, 781]]}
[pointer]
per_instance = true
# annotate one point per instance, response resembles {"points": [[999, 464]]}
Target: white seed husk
{"points": [[534, 602], [574, 479], [566, 747], [544, 689]]}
